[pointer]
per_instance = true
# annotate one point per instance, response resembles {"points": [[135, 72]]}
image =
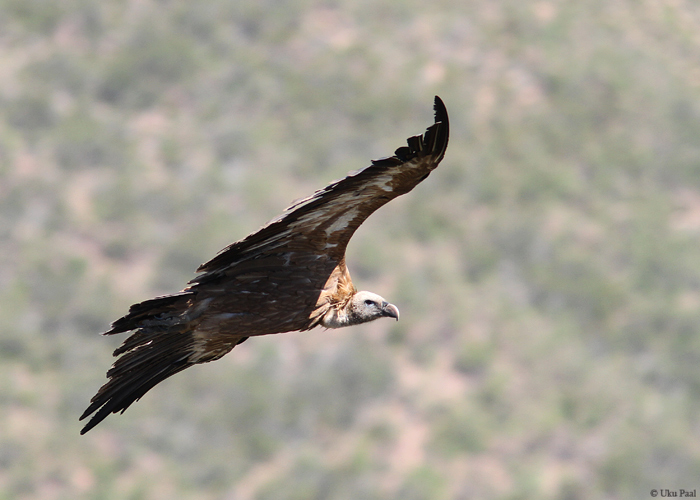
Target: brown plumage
{"points": [[290, 275]]}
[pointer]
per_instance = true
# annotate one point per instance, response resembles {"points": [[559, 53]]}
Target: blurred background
{"points": [[548, 273]]}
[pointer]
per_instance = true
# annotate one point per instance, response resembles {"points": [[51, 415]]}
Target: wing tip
{"points": [[432, 143], [440, 110], [443, 134]]}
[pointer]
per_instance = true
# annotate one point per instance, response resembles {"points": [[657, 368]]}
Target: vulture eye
{"points": [[369, 302]]}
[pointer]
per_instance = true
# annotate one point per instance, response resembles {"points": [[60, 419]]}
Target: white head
{"points": [[361, 308], [368, 306]]}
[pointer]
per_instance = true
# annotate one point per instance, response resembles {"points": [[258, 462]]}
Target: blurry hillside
{"points": [[548, 273]]}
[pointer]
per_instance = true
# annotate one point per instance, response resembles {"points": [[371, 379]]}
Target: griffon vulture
{"points": [[289, 275]]}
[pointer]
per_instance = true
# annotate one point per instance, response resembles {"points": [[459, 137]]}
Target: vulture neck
{"points": [[337, 298], [339, 315]]}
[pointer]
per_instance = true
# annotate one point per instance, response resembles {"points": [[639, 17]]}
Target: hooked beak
{"points": [[390, 310]]}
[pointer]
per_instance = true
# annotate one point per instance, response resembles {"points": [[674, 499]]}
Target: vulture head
{"points": [[368, 306], [361, 308]]}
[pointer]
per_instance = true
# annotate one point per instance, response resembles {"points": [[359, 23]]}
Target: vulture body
{"points": [[290, 275]]}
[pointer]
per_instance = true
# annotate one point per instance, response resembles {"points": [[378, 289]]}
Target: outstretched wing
{"points": [[324, 222]]}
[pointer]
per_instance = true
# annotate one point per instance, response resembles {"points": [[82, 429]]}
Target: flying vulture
{"points": [[289, 275]]}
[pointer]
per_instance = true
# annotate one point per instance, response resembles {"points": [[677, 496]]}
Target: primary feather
{"points": [[290, 275]]}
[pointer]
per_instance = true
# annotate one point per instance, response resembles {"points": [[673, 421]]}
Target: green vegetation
{"points": [[548, 273]]}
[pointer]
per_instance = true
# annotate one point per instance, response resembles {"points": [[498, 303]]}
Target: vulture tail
{"points": [[150, 355], [161, 346]]}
